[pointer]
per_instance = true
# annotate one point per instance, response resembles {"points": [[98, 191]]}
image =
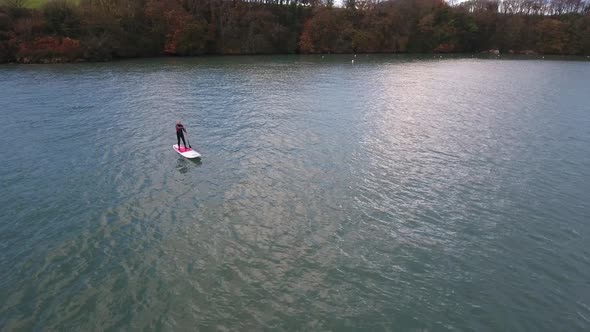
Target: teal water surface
{"points": [[392, 194]]}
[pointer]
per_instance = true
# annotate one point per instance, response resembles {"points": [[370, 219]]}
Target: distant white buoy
{"points": [[322, 56], [543, 58], [353, 62], [355, 55]]}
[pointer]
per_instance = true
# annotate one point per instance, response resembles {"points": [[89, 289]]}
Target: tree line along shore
{"points": [[101, 30]]}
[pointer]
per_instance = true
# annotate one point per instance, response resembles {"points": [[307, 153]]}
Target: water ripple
{"points": [[396, 194]]}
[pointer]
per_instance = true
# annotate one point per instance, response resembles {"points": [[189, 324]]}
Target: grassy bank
{"points": [[34, 3]]}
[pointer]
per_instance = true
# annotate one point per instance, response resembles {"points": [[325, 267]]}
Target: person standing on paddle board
{"points": [[180, 130]]}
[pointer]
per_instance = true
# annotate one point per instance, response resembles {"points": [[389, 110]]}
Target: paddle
{"points": [[189, 142]]}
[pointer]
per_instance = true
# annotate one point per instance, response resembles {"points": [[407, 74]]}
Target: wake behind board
{"points": [[186, 152]]}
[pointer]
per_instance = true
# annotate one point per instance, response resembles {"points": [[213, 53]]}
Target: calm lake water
{"points": [[398, 193]]}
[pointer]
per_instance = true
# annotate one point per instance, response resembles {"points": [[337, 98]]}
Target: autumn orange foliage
{"points": [[98, 30], [48, 48], [179, 25]]}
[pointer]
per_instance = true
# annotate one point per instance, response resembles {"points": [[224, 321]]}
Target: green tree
{"points": [[551, 36], [61, 18]]}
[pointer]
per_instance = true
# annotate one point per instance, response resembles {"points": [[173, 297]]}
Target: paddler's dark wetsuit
{"points": [[180, 134]]}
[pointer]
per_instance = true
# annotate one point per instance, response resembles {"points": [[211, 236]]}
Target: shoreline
{"points": [[482, 56]]}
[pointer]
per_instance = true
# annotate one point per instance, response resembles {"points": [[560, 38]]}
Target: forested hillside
{"points": [[99, 30]]}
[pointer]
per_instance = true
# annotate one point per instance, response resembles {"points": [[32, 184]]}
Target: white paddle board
{"points": [[186, 152]]}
